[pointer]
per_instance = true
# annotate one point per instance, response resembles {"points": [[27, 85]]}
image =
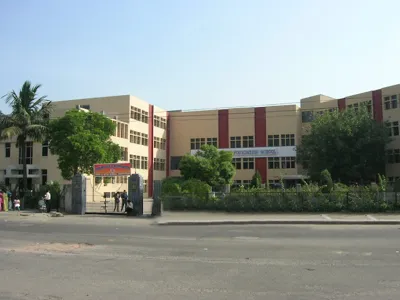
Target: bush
{"points": [[312, 198]]}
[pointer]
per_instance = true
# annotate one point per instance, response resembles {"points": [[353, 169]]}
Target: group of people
{"points": [[126, 203], [13, 202]]}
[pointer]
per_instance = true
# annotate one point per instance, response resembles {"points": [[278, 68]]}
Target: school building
{"points": [[154, 140]]}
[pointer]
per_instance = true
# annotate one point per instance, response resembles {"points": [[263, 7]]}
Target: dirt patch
{"points": [[54, 247]]}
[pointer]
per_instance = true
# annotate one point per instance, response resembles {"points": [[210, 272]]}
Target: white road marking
{"points": [[246, 238], [326, 217], [371, 218], [366, 254]]}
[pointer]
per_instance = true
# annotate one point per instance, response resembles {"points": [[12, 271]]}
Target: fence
{"points": [[352, 201]]}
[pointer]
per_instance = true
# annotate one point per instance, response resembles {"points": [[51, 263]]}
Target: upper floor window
{"points": [[28, 153], [7, 147], [135, 161], [353, 106], [236, 142], [145, 139], [159, 164], [307, 116], [393, 156], [160, 122], [159, 143], [124, 153], [143, 162], [237, 163], [248, 141], [139, 115], [212, 142], [390, 102], [287, 140], [393, 128], [45, 148], [273, 140], [288, 162], [273, 163], [248, 163], [175, 160], [196, 143], [135, 137]]}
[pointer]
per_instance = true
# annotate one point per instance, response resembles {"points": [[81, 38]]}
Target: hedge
{"points": [[366, 200]]}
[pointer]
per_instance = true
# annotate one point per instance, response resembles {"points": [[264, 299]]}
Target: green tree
{"points": [[350, 144], [82, 139], [28, 120], [208, 165], [256, 180]]}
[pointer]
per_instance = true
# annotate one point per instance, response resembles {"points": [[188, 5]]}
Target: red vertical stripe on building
{"points": [[150, 158], [223, 128], [260, 132], [341, 104], [168, 134], [377, 105]]}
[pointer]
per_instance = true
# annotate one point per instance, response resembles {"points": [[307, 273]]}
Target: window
{"points": [[273, 163], [288, 162], [135, 161], [287, 140], [85, 106], [393, 128], [246, 183], [159, 164], [353, 106], [273, 181], [157, 121], [307, 116], [273, 140], [145, 117], [237, 163], [391, 102], [163, 144], [121, 179], [236, 142], [248, 163], [124, 154], [236, 183], [160, 122], [145, 139], [134, 137], [196, 143], [248, 141], [368, 105], [157, 142], [163, 123], [143, 162], [144, 186], [29, 153], [8, 149], [136, 113], [45, 148], [175, 160], [393, 156], [160, 143], [392, 180], [212, 141], [44, 176]]}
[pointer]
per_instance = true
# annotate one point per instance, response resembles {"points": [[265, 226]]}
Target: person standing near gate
{"points": [[47, 199], [124, 197], [116, 201]]}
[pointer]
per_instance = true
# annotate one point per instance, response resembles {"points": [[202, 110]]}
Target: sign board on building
{"points": [[259, 152], [105, 170]]}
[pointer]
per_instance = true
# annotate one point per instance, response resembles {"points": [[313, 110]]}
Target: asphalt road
{"points": [[118, 258]]}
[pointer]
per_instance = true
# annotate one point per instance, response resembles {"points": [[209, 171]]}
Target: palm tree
{"points": [[27, 121]]}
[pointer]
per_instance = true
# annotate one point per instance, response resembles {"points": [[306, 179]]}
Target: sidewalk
{"points": [[206, 218]]}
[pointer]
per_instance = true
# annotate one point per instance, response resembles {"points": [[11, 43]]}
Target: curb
{"points": [[279, 222]]}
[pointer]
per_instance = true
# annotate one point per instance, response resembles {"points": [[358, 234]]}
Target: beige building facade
{"points": [[154, 140]]}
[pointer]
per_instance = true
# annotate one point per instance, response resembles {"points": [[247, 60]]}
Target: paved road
{"points": [[114, 258]]}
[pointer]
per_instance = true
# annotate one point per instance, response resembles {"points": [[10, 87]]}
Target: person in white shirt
{"points": [[47, 199]]}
